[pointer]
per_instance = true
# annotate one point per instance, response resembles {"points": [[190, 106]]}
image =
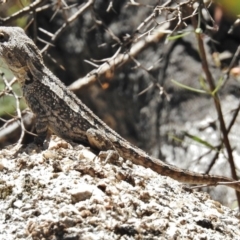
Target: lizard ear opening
{"points": [[3, 37]]}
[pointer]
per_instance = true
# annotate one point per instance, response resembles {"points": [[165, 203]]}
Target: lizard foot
{"points": [[109, 156]]}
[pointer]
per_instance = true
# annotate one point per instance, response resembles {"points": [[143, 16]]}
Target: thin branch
{"points": [[22, 12], [19, 114], [233, 61], [68, 21], [217, 103], [121, 59]]}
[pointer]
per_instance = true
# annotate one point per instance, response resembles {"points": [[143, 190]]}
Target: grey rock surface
{"points": [[70, 193]]}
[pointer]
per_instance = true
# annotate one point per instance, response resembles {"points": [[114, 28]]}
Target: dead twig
{"points": [[22, 12], [68, 21], [120, 59]]}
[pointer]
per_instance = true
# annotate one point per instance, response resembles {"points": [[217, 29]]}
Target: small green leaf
{"points": [[178, 36], [175, 138], [202, 82], [219, 84], [189, 88], [199, 140]]}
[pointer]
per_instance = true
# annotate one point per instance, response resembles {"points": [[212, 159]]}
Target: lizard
{"points": [[59, 110]]}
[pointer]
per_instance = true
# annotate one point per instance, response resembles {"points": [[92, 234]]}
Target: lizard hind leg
{"points": [[98, 140]]}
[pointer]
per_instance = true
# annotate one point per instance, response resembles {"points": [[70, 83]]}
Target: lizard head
{"points": [[17, 50]]}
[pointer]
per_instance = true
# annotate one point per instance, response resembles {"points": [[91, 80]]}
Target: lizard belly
{"points": [[65, 130]]}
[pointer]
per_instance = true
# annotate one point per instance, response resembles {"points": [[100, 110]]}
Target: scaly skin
{"points": [[59, 110]]}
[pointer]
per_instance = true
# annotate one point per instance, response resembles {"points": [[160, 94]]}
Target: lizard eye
{"points": [[3, 37]]}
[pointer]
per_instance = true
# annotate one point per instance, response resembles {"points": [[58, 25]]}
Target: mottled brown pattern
{"points": [[58, 109]]}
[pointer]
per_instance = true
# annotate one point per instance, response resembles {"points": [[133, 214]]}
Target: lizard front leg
{"points": [[41, 116], [41, 129]]}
